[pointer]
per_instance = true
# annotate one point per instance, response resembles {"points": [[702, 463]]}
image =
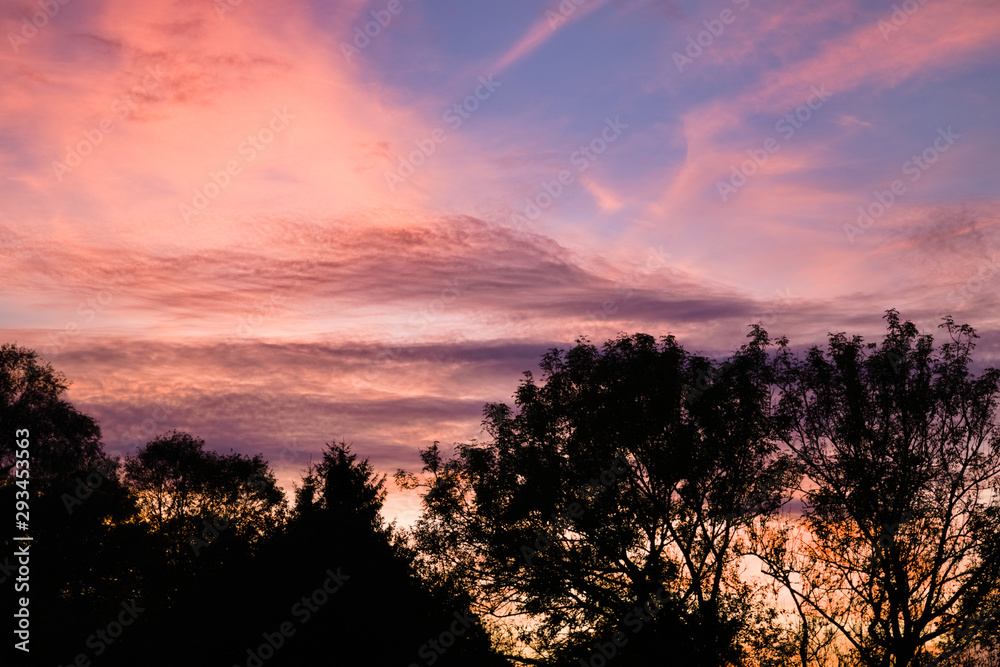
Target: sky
{"points": [[277, 225]]}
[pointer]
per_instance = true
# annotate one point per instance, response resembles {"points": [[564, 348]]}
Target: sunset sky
{"points": [[257, 222]]}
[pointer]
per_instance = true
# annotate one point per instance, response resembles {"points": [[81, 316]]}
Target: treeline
{"points": [[611, 518], [178, 555]]}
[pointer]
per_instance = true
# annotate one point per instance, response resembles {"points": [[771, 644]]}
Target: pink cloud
{"points": [[544, 29]]}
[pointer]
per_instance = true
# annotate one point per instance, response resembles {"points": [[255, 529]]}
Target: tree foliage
{"points": [[617, 485], [609, 518], [181, 486], [63, 440], [898, 547], [343, 490]]}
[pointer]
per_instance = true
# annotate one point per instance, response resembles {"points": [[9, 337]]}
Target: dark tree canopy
{"points": [[63, 440], [180, 486], [609, 519], [623, 478], [342, 490], [900, 452], [377, 610], [86, 545]]}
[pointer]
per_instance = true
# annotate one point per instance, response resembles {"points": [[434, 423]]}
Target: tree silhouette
{"points": [[86, 548], [193, 497], [147, 533], [606, 519], [607, 510], [378, 611], [63, 441], [342, 491], [898, 548], [385, 614]]}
